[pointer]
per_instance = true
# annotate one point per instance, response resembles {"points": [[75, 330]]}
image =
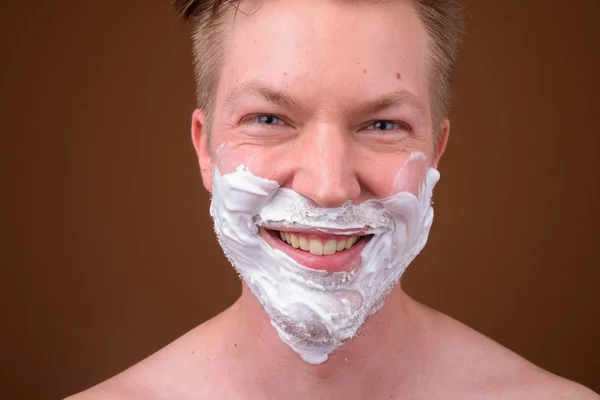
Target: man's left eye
{"points": [[268, 120], [384, 126]]}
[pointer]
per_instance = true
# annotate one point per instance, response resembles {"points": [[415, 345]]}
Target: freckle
{"points": [[398, 76], [365, 71]]}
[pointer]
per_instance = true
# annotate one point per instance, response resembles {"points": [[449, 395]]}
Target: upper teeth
{"points": [[316, 246]]}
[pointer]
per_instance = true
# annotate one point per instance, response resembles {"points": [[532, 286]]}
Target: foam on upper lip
{"points": [[321, 232], [293, 227]]}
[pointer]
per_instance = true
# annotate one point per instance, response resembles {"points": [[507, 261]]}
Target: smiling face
{"points": [[327, 98]]}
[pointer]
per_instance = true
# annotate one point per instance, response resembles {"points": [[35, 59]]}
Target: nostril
{"points": [[327, 202], [334, 196], [327, 186]]}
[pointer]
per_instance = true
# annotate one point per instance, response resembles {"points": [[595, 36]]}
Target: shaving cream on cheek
{"points": [[315, 312]]}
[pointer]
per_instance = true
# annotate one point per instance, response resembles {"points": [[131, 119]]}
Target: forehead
{"points": [[327, 49]]}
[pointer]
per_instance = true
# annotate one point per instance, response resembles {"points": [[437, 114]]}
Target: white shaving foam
{"points": [[315, 312]]}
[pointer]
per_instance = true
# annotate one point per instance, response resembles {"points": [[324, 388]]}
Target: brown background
{"points": [[107, 252]]}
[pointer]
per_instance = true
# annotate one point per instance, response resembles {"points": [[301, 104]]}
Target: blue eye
{"points": [[383, 126], [268, 120]]}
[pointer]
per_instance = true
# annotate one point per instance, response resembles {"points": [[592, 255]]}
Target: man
{"points": [[319, 131]]}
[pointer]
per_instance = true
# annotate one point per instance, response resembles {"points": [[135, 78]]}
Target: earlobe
{"points": [[441, 141], [200, 140]]}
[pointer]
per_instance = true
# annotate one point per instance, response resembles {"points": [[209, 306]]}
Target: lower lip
{"points": [[346, 260]]}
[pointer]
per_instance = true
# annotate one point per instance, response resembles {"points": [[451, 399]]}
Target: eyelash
{"points": [[255, 118], [398, 125]]}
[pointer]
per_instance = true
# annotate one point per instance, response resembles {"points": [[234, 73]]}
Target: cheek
{"points": [[269, 162], [385, 175], [411, 177]]}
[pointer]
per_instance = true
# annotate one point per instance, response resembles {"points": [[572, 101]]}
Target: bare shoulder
{"points": [[535, 383], [554, 387], [484, 369], [174, 372]]}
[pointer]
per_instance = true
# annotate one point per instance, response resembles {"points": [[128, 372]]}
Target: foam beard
{"points": [[315, 312]]}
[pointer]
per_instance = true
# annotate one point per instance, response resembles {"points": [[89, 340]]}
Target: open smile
{"points": [[311, 248]]}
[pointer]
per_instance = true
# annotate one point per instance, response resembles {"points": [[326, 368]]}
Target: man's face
{"points": [[326, 98]]}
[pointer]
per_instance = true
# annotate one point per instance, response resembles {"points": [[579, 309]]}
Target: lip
{"points": [[346, 260], [324, 233]]}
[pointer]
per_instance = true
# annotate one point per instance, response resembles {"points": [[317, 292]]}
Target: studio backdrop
{"points": [[107, 251]]}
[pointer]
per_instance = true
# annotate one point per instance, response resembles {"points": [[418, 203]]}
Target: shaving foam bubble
{"points": [[315, 312]]}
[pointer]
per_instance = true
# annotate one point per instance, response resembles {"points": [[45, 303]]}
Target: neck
{"points": [[365, 366]]}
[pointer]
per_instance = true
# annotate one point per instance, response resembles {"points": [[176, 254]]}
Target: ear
{"points": [[441, 141], [200, 140]]}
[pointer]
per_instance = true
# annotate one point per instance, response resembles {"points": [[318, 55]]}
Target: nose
{"points": [[327, 172]]}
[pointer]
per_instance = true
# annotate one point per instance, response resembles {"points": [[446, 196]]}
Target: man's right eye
{"points": [[268, 119], [264, 119]]}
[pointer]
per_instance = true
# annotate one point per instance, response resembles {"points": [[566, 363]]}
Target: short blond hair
{"points": [[443, 19]]}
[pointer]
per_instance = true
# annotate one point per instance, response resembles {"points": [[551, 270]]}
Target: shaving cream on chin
{"points": [[314, 312]]}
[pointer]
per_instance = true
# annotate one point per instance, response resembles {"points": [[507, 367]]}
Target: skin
{"points": [[326, 145]]}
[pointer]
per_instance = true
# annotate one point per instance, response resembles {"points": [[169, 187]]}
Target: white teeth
{"points": [[304, 244], [329, 248], [295, 243], [316, 247], [350, 242]]}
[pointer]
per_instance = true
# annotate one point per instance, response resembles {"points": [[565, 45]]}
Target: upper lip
{"points": [[320, 231]]}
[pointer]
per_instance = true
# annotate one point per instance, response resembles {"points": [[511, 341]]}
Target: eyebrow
{"points": [[391, 100], [258, 88]]}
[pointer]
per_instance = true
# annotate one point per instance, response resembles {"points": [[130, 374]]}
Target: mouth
{"points": [[311, 248]]}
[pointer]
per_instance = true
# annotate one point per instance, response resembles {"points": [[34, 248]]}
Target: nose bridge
{"points": [[328, 174]]}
